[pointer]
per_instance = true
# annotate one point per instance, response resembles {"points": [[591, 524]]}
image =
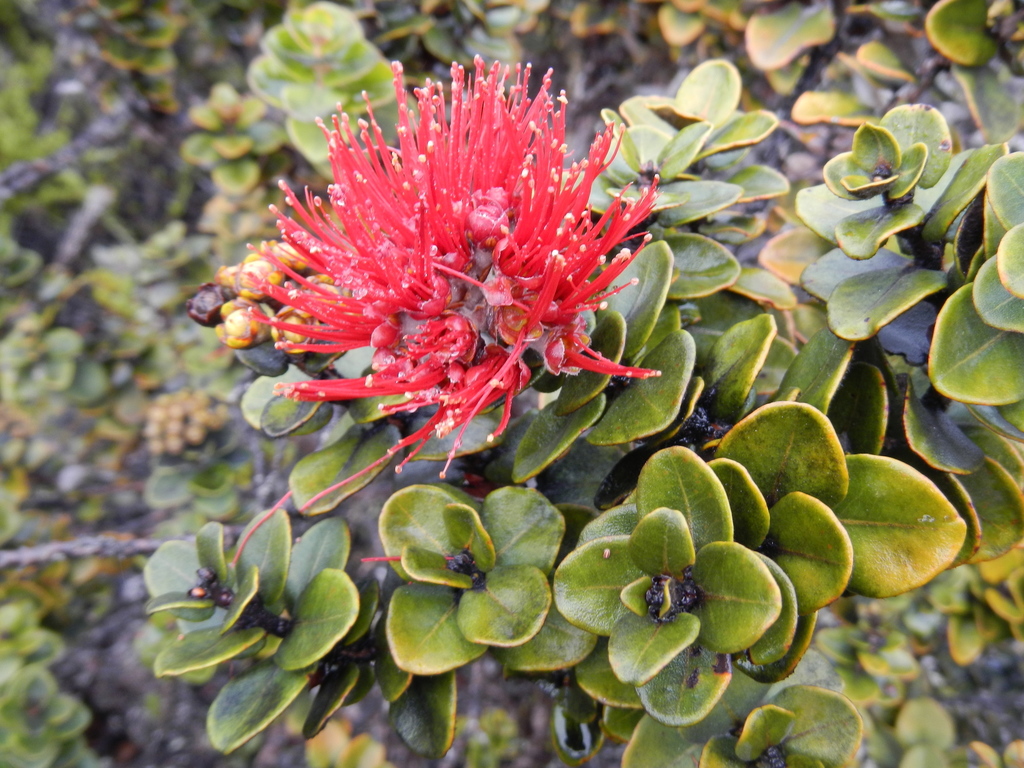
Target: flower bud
{"points": [[284, 253], [295, 317], [254, 275], [205, 306], [241, 330], [225, 277]]}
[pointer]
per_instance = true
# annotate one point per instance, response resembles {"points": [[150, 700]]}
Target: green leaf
{"points": [[657, 744], [862, 234], [608, 338], [778, 638], [701, 266], [903, 530], [827, 726], [683, 202], [789, 447], [587, 583], [647, 406], [778, 37], [640, 305], [269, 549], [958, 29], [967, 182], [790, 252], [369, 601], [326, 610], [859, 411], [427, 566], [620, 724], [821, 278], [999, 502], [639, 647], [617, 521], [550, 436], [912, 168], [710, 92], [925, 721], [783, 668], [172, 568], [985, 94], [392, 681], [508, 610], [680, 152], [861, 305], [355, 452], [210, 549], [743, 129], [283, 416], [558, 645], [971, 361], [423, 633], [687, 689], [424, 716], [677, 478], [880, 61], [747, 505], [920, 123], [936, 438], [765, 288], [415, 516], [818, 369], [720, 752], [524, 527], [247, 583], [661, 543], [760, 182], [634, 595], [1010, 261], [575, 741], [734, 362], [739, 597], [595, 676], [248, 703], [204, 648], [237, 177], [831, 107], [335, 685], [875, 150], [325, 545], [996, 305], [812, 547], [467, 534], [181, 605], [765, 727]]}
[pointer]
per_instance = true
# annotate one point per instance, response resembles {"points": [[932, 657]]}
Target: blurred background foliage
{"points": [[141, 142]]}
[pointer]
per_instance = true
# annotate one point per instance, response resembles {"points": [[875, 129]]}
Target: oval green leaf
{"points": [[971, 361], [677, 478], [508, 610], [249, 703], [789, 447], [812, 547], [739, 597]]}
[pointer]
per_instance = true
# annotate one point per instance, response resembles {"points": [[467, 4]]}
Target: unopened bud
{"points": [[296, 317], [240, 330], [205, 306], [253, 276], [225, 277]]}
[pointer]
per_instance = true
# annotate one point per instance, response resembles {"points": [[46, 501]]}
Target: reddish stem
{"points": [[266, 516]]}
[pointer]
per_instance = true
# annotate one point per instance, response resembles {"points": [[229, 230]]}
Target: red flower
{"points": [[457, 252]]}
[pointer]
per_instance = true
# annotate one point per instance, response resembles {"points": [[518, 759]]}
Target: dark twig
{"points": [[103, 545], [926, 75], [24, 175]]}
